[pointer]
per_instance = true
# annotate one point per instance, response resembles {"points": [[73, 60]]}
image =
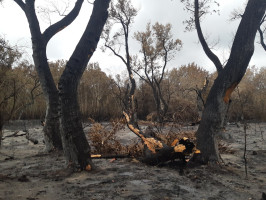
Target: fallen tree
{"points": [[156, 152], [153, 148]]}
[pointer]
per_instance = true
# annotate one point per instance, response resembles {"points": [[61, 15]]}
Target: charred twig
{"points": [[245, 150], [261, 132], [99, 156], [245, 132], [14, 135]]}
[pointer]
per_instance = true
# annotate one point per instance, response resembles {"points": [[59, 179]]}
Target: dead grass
{"points": [[104, 140], [224, 149]]}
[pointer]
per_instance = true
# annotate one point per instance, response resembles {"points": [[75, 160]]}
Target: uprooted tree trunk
{"points": [[227, 80]]}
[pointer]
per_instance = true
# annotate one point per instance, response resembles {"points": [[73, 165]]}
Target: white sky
{"points": [[14, 27]]}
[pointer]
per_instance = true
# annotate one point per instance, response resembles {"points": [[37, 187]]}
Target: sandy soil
{"points": [[26, 172]]}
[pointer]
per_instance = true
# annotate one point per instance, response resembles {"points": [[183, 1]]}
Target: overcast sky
{"points": [[14, 27]]}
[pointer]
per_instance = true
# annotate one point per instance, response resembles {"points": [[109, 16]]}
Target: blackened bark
{"points": [[219, 96], [76, 147], [262, 39], [124, 18], [131, 105], [63, 23], [161, 105], [1, 135], [200, 98], [261, 32], [51, 128]]}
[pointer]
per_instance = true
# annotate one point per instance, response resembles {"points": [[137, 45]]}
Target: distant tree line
{"points": [[100, 95]]}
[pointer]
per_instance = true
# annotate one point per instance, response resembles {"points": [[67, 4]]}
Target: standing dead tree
{"points": [[39, 45], [228, 77], [123, 13], [75, 145], [157, 47]]}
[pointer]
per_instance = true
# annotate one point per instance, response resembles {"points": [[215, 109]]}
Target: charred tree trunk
{"points": [[76, 147], [161, 104], [227, 80], [157, 101], [200, 97], [51, 128], [130, 110]]}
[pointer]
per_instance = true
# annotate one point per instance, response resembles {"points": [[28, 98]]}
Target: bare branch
{"points": [[59, 11], [203, 42], [63, 23], [21, 4], [261, 32], [262, 39], [116, 54], [90, 2], [141, 77], [204, 8]]}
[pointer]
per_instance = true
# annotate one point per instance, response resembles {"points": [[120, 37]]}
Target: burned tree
{"points": [[75, 145], [123, 13], [158, 48], [39, 45], [228, 77]]}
